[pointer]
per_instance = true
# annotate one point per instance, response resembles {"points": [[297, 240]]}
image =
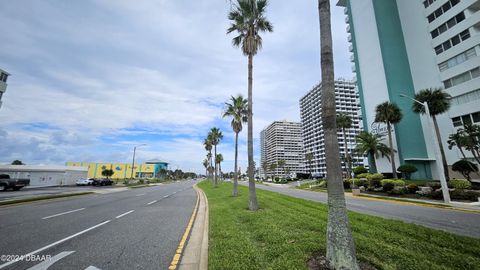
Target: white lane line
{"points": [[152, 202], [64, 213], [56, 243], [91, 267], [139, 195], [45, 264], [124, 214], [166, 196]]}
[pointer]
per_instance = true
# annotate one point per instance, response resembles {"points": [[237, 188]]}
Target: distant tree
{"points": [[309, 158], [107, 173], [273, 168], [208, 146], [205, 164], [281, 164], [465, 167], [219, 160], [390, 114], [371, 145], [438, 103], [17, 162], [215, 136], [344, 122], [265, 167], [407, 170]]}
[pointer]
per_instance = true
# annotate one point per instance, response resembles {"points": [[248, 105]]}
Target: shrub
{"points": [[458, 194], [359, 170], [363, 175], [460, 184], [465, 167], [346, 183], [323, 184], [407, 170], [434, 185], [359, 182], [374, 180], [390, 184], [412, 188]]}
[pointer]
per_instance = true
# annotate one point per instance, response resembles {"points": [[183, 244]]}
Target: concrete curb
{"points": [[195, 256]]}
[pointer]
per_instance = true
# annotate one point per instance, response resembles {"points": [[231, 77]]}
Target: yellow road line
{"points": [[181, 245]]}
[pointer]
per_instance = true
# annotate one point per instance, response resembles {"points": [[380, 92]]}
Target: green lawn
{"points": [[287, 231]]}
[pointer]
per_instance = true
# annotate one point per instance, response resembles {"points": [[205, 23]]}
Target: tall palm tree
{"points": [[215, 136], [371, 145], [281, 164], [273, 169], [438, 102], [208, 146], [248, 20], [219, 160], [344, 121], [265, 167], [205, 164], [309, 158], [340, 245], [238, 110], [458, 140], [390, 114]]}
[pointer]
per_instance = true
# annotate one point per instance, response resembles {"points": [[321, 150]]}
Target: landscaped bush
{"points": [[323, 184], [359, 182], [460, 184], [363, 175], [374, 180], [465, 167], [346, 183], [458, 194], [389, 184], [359, 170], [407, 170], [434, 185], [412, 188]]}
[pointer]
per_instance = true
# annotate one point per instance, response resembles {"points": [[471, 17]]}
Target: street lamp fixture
{"points": [[436, 148], [133, 161]]}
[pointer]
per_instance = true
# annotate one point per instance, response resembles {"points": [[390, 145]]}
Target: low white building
{"points": [[45, 176]]}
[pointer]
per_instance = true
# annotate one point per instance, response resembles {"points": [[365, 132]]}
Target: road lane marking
{"points": [[64, 213], [45, 264], [152, 202], [139, 195], [124, 214], [56, 243], [91, 267], [166, 196]]}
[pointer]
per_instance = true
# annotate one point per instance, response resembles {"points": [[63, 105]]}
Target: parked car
{"points": [[84, 182], [15, 184], [102, 182]]}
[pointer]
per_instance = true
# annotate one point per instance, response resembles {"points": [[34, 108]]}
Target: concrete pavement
{"points": [[454, 221], [132, 229]]}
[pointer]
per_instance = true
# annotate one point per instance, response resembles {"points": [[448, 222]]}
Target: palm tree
{"points": [[205, 164], [458, 140], [340, 245], [438, 102], [281, 164], [344, 121], [371, 145], [273, 169], [390, 114], [219, 160], [309, 158], [238, 110], [265, 167], [208, 146], [215, 136], [248, 20]]}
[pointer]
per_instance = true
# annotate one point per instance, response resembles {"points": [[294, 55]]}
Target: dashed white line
{"points": [[139, 195], [152, 202], [166, 196], [64, 213], [55, 243], [46, 264], [124, 214]]}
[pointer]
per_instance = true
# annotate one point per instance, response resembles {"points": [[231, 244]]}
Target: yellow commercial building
{"points": [[151, 169]]}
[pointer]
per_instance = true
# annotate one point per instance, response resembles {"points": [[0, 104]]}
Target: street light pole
{"points": [[133, 161], [436, 149]]}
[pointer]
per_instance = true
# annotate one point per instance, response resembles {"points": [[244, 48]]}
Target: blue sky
{"points": [[92, 79]]}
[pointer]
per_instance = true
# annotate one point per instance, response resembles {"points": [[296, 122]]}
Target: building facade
{"points": [[347, 101], [45, 176], [282, 140], [151, 169], [401, 47], [3, 84]]}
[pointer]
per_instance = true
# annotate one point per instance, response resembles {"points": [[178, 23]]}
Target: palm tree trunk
{"points": [[392, 151], [371, 162], [347, 162], [340, 245], [442, 151], [215, 170], [253, 205], [235, 175]]}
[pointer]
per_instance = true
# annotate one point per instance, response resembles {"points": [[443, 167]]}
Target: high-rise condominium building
{"points": [[347, 101], [3, 84], [282, 140], [400, 47]]}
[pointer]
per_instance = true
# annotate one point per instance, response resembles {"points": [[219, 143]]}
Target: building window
{"points": [[444, 8], [3, 77], [466, 98], [464, 77], [457, 121], [458, 59], [466, 119], [464, 35], [427, 3]]}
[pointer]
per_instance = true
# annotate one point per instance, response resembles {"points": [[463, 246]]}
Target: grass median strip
{"points": [[287, 231], [41, 198]]}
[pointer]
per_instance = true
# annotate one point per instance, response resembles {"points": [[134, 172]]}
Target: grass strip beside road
{"points": [[42, 198], [287, 231]]}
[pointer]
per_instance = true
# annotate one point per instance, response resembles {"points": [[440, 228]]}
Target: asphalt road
{"points": [[454, 221], [133, 229]]}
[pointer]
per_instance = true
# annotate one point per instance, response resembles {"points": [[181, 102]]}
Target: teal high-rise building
{"points": [[400, 47]]}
